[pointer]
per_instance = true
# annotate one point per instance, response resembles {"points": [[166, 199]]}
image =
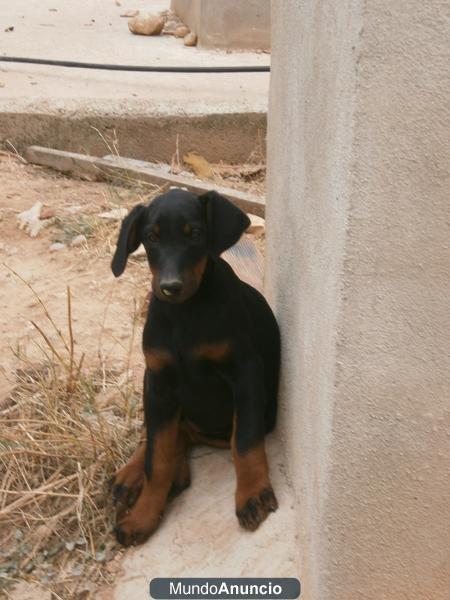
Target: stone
{"points": [[57, 246], [181, 31], [47, 213], [78, 240], [146, 24], [190, 39]]}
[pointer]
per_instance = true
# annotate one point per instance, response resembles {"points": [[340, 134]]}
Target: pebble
{"points": [[47, 213], [181, 31], [146, 24], [78, 240], [190, 39], [57, 246]]}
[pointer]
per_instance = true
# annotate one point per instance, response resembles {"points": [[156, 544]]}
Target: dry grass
{"points": [[64, 431]]}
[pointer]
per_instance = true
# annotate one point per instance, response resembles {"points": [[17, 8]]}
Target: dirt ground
{"points": [[106, 324], [85, 268]]}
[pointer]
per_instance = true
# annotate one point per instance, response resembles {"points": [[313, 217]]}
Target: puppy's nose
{"points": [[171, 288]]}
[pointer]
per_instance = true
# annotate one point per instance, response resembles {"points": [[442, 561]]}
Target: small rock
{"points": [[190, 39], [78, 240], [57, 246], [115, 213], [146, 24], [8, 29], [47, 213], [181, 31], [130, 13]]}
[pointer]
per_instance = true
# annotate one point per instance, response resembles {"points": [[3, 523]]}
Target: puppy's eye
{"points": [[153, 235], [191, 232]]}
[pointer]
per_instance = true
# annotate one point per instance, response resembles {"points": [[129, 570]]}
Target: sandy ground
{"points": [[85, 269]]}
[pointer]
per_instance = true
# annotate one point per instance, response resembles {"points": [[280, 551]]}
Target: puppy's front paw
{"points": [[127, 486], [135, 528], [256, 509]]}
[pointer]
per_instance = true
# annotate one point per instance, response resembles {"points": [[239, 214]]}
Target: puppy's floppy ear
{"points": [[226, 222], [129, 239]]}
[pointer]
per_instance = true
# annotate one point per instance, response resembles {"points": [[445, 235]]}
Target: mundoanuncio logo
{"points": [[242, 588]]}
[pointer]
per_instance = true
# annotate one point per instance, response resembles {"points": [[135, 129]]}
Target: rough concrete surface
{"points": [[220, 115], [358, 271], [200, 535]]}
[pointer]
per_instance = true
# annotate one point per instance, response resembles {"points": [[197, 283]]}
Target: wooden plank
{"points": [[83, 165]]}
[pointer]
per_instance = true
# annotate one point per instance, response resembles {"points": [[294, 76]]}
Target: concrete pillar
{"points": [[230, 24], [358, 272]]}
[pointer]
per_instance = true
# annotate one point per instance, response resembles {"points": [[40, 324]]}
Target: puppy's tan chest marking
{"points": [[157, 358], [216, 351]]}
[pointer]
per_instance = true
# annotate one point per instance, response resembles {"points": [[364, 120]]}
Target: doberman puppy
{"points": [[212, 353]]}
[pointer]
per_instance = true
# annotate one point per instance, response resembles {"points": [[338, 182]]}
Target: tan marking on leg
{"points": [[146, 514], [129, 479], [254, 493]]}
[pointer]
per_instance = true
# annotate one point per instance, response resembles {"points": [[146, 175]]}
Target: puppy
{"points": [[212, 352]]}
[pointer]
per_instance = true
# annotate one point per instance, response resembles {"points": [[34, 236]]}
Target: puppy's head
{"points": [[179, 230]]}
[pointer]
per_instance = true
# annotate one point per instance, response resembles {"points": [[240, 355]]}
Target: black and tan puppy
{"points": [[212, 352]]}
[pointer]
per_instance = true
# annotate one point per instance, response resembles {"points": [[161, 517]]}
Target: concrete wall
{"points": [[358, 271], [231, 24]]}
